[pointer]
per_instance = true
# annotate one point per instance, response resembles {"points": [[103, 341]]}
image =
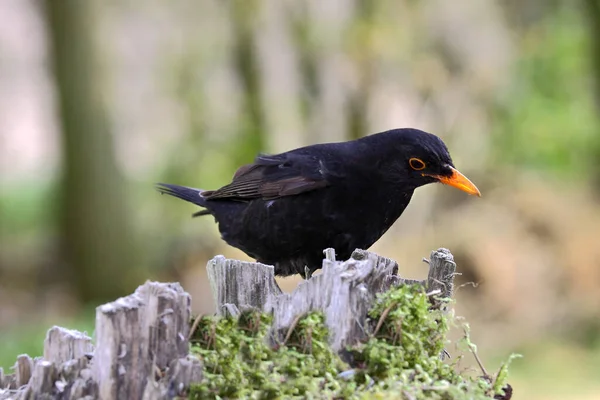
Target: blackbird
{"points": [[284, 209]]}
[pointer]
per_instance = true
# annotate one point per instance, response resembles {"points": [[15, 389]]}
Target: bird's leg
{"points": [[307, 272]]}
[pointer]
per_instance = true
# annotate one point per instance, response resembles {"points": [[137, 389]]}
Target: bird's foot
{"points": [[307, 272]]}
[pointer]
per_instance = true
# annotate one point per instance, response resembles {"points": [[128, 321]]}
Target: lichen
{"points": [[402, 359]]}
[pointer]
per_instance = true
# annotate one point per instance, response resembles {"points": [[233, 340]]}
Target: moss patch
{"points": [[401, 359]]}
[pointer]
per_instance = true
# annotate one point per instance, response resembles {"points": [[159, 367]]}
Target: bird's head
{"points": [[426, 159]]}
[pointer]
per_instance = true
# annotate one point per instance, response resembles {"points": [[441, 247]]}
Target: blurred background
{"points": [[99, 99]]}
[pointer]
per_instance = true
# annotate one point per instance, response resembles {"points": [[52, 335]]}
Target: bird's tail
{"points": [[185, 193]]}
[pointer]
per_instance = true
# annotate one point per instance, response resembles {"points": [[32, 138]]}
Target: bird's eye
{"points": [[416, 164]]}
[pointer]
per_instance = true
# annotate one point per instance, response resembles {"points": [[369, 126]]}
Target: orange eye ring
{"points": [[416, 164]]}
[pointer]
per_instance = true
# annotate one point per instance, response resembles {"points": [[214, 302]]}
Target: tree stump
{"points": [[141, 344]]}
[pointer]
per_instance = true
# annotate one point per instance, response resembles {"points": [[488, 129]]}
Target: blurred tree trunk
{"points": [[592, 11], [97, 236]]}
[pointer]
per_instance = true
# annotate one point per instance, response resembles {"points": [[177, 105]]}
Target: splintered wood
{"points": [[343, 291], [141, 346]]}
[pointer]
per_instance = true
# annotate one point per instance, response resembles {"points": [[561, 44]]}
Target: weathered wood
{"points": [[23, 370], [442, 269], [75, 380], [43, 378], [344, 291], [81, 385], [137, 333], [121, 349], [154, 391], [9, 382], [241, 283], [181, 373], [383, 281], [167, 317], [142, 345], [329, 254], [62, 345], [72, 369]]}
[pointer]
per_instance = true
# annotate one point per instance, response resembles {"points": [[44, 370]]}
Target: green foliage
{"points": [[401, 359], [26, 209], [28, 337], [238, 362], [547, 118], [405, 320], [502, 375]]}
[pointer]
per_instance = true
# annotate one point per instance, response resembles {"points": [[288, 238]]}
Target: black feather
{"points": [[185, 193], [284, 209]]}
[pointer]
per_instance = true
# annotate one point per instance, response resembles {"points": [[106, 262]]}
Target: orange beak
{"points": [[459, 181]]}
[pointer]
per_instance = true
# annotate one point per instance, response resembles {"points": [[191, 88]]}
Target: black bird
{"points": [[284, 209]]}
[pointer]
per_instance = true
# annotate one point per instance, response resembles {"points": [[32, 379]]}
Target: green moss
{"points": [[401, 359]]}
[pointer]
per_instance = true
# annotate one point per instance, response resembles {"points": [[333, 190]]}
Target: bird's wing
{"points": [[271, 177]]}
